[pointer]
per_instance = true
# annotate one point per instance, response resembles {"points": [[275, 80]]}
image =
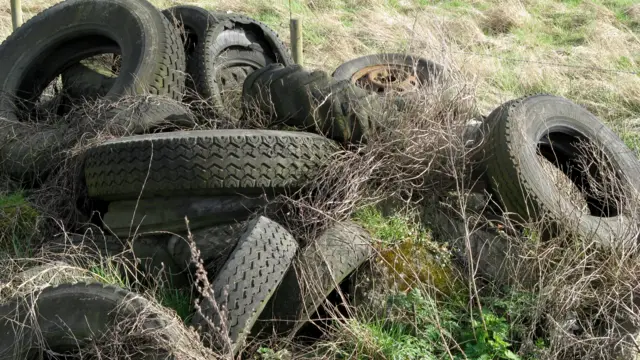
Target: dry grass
{"points": [[496, 52], [538, 34], [505, 17]]}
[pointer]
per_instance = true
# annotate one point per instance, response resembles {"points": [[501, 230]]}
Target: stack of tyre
{"points": [[151, 179]]}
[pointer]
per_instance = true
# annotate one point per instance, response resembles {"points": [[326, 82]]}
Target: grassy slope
{"points": [[510, 48], [486, 38]]}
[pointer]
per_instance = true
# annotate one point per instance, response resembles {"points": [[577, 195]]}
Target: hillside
{"points": [[418, 299]]}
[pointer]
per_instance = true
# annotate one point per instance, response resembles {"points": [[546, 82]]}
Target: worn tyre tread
{"points": [[104, 299], [211, 162], [253, 271], [507, 177], [316, 271]]}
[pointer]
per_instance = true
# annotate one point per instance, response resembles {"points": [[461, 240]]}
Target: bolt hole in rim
{"points": [[565, 149], [386, 78]]}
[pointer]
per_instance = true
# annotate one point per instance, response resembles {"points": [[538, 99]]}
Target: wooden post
{"points": [[16, 13], [296, 41]]}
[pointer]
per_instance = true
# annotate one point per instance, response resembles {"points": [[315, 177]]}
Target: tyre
{"points": [[317, 271], [233, 49], [382, 73], [54, 273], [311, 101], [69, 318], [29, 153], [137, 115], [168, 214], [212, 162], [214, 243], [83, 83], [252, 272], [522, 134], [41, 49], [195, 22], [149, 254]]}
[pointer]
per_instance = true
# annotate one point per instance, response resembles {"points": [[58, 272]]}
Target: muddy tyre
{"points": [[383, 72], [69, 317], [168, 214], [41, 49], [253, 271], [316, 272], [212, 162], [519, 131]]}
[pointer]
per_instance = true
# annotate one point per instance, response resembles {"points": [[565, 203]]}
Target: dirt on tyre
{"points": [[70, 318], [317, 270], [211, 162], [382, 73], [254, 269], [523, 134], [227, 49], [62, 35]]}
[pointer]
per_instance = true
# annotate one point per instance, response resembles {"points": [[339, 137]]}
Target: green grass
{"points": [[416, 326], [18, 221], [108, 272], [390, 230], [177, 299]]}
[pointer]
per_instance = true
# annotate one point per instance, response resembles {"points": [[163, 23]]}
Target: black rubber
{"points": [[54, 273], [195, 22], [238, 41], [168, 214], [515, 174], [212, 162], [29, 153], [68, 317], [149, 253], [214, 244], [137, 115], [425, 70], [316, 272], [252, 273], [83, 83], [42, 48], [310, 100]]}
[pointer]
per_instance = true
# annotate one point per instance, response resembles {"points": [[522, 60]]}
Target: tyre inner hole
{"points": [[572, 155], [43, 91]]}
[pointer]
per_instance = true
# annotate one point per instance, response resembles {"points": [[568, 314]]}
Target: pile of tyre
{"points": [[158, 174], [154, 177]]}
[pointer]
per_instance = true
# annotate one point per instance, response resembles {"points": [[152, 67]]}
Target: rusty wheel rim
{"points": [[385, 78]]}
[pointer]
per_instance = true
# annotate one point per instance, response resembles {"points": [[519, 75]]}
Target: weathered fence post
{"points": [[296, 41], [16, 13]]}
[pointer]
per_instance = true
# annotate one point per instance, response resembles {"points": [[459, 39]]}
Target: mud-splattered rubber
{"points": [[517, 179], [62, 35]]}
